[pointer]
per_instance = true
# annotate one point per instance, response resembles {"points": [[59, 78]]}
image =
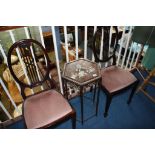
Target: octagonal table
{"points": [[82, 73]]}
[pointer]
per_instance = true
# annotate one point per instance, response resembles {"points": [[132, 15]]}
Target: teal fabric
{"points": [[144, 35], [149, 59], [141, 34]]}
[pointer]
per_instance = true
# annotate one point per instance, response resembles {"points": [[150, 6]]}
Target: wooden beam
{"points": [[5, 28]]}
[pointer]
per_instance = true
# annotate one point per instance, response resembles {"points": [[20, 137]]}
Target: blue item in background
{"points": [[149, 59]]}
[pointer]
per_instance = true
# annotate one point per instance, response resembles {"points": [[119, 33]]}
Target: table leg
{"points": [[98, 95], [63, 86], [94, 94], [66, 90], [81, 98]]}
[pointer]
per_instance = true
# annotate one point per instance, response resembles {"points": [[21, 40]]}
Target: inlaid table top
{"points": [[81, 71]]}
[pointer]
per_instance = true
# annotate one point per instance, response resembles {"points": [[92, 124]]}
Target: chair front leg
{"points": [[108, 102], [73, 117]]}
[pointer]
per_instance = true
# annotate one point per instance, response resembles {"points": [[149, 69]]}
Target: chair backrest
{"points": [[107, 53], [30, 52]]}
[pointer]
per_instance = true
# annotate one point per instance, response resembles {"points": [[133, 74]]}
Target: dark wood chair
{"points": [[115, 80], [46, 108]]}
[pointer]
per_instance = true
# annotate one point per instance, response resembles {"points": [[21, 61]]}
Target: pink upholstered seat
{"points": [[115, 78], [42, 109]]}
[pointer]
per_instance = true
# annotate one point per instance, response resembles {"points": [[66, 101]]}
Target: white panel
{"points": [[85, 43], [8, 94], [101, 47], [76, 42], [120, 49], [41, 36], [42, 41], [57, 58], [127, 63], [127, 45], [95, 29], [110, 37], [66, 43], [133, 56], [3, 54]]}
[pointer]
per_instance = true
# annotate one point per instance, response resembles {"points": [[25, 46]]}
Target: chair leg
{"points": [[91, 88], [132, 92], [97, 103], [24, 123], [108, 102], [74, 120]]}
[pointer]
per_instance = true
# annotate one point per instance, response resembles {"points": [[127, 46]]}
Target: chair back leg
{"points": [[133, 91], [24, 123]]}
